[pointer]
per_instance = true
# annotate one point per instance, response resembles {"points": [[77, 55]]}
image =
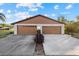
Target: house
{"points": [[30, 26]]}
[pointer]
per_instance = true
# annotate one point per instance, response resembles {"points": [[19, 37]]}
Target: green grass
{"points": [[4, 33]]}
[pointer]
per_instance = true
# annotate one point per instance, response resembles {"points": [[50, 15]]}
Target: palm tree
{"points": [[2, 18]]}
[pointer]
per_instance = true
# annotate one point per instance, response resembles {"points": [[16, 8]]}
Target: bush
{"points": [[4, 33], [76, 35], [71, 28]]}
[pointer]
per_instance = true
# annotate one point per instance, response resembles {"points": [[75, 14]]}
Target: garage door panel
{"points": [[26, 30], [52, 30]]}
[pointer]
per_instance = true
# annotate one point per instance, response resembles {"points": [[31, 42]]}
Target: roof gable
{"points": [[38, 19]]}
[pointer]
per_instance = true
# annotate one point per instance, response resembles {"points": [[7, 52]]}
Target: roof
{"points": [[37, 16]]}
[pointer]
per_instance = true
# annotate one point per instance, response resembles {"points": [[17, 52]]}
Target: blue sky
{"points": [[18, 11]]}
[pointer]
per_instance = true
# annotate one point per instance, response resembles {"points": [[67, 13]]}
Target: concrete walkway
{"points": [[39, 50], [61, 45], [17, 45]]}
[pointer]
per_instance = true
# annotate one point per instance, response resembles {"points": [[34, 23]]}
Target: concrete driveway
{"points": [[61, 45], [17, 45], [24, 45]]}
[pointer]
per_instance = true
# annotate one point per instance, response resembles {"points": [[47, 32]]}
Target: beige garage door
{"points": [[26, 30], [52, 30]]}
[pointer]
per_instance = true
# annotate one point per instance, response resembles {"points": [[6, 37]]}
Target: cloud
{"points": [[30, 6], [69, 7], [8, 16], [50, 15], [23, 5], [65, 13], [56, 7], [33, 9], [53, 15], [22, 15], [8, 11], [1, 4], [1, 10], [16, 16], [45, 14]]}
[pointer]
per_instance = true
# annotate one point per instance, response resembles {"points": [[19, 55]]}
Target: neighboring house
{"points": [[30, 26]]}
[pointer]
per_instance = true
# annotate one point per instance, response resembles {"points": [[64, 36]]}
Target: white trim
{"points": [[41, 30], [62, 29], [40, 24], [15, 29]]}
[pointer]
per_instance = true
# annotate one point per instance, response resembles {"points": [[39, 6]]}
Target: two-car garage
{"points": [[32, 30], [30, 26]]}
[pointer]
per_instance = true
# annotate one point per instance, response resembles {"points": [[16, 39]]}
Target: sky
{"points": [[18, 11]]}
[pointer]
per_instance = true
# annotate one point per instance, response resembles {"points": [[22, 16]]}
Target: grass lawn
{"points": [[4, 33]]}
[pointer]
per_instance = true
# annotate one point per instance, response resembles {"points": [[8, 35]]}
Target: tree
{"points": [[2, 18], [77, 18], [71, 28], [62, 19], [77, 23]]}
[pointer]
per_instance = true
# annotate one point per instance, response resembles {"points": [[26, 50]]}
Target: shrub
{"points": [[71, 28], [4, 33]]}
